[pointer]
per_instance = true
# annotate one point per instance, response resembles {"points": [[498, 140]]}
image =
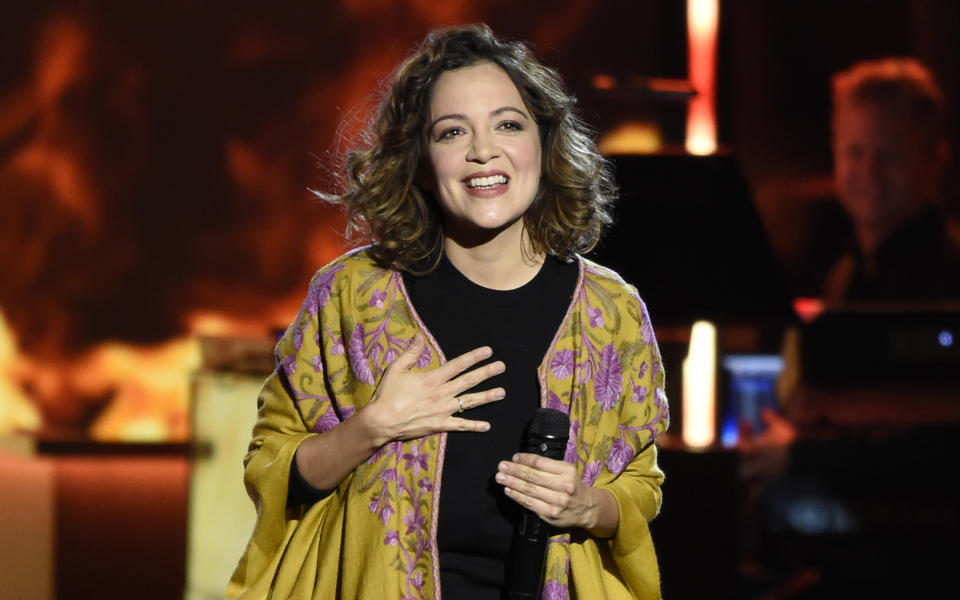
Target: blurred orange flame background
{"points": [[155, 185]]}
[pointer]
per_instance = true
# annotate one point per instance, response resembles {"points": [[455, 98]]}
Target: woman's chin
{"points": [[480, 231]]}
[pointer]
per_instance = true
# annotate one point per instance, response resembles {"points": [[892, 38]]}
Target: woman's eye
{"points": [[511, 126], [447, 134]]}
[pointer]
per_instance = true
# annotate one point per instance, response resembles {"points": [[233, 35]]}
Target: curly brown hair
{"points": [[405, 223]]}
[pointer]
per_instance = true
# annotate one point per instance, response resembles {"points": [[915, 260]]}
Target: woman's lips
{"points": [[486, 184], [487, 191]]}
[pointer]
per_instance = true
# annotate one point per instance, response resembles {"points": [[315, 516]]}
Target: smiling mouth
{"points": [[486, 183]]}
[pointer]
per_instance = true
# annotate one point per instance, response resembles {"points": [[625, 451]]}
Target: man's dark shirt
{"points": [[918, 262]]}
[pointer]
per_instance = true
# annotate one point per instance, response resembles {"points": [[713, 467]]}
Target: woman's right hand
{"points": [[407, 404], [410, 404]]}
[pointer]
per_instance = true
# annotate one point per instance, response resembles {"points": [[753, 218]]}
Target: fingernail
{"points": [[516, 457], [502, 466], [501, 368], [500, 394], [485, 427], [487, 351]]}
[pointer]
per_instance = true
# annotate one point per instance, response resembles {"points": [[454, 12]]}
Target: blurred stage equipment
{"points": [[699, 387], [886, 343], [687, 234], [703, 17], [224, 409]]}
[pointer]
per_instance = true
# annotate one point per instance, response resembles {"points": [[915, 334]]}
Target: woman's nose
{"points": [[482, 148]]}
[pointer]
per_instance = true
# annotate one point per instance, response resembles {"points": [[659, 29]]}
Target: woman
{"points": [[478, 189]]}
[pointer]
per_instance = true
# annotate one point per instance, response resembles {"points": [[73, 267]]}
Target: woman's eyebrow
{"points": [[456, 116], [504, 109]]}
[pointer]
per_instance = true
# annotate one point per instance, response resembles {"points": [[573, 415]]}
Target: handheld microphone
{"points": [[547, 436]]}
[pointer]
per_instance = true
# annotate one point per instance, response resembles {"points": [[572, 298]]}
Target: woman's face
{"points": [[484, 150]]}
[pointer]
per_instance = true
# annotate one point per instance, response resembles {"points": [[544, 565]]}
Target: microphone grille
{"points": [[550, 423]]}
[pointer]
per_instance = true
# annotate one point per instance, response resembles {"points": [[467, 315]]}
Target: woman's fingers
{"points": [[542, 463], [546, 510], [544, 492], [468, 401], [534, 482], [458, 365], [458, 424], [473, 378], [409, 357], [550, 488], [418, 403]]}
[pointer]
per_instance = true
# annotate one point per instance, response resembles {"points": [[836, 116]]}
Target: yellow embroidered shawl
{"points": [[375, 536]]}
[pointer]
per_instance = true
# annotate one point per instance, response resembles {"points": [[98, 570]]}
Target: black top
{"points": [[476, 518]]}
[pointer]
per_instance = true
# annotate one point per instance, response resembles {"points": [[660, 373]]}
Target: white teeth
{"points": [[487, 181]]}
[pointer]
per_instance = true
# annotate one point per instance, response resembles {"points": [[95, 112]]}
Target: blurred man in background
{"points": [[890, 153]]}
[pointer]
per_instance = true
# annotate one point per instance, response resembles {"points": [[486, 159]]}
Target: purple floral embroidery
{"points": [[376, 455], [327, 421], [319, 292], [554, 590], [416, 459], [646, 330], [388, 475], [417, 580], [425, 485], [586, 372], [347, 411], [413, 521], [639, 392], [620, 454], [361, 368], [378, 298], [390, 356], [554, 402], [290, 364], [643, 369], [380, 506], [317, 364], [393, 538], [297, 338], [596, 317], [591, 472], [425, 358], [571, 453], [609, 379], [562, 364], [337, 348]]}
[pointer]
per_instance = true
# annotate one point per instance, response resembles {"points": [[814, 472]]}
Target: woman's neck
{"points": [[504, 262]]}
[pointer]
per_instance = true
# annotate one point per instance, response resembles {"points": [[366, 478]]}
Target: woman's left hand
{"points": [[551, 488]]}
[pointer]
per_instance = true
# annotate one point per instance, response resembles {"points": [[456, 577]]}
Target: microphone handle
{"points": [[528, 552]]}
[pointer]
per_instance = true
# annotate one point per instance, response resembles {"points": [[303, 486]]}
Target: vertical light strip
{"points": [[699, 386], [702, 20]]}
